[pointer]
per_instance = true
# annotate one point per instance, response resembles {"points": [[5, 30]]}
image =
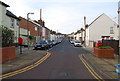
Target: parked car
{"points": [[98, 43], [54, 42], [50, 43], [59, 41], [77, 43], [42, 44], [72, 41]]}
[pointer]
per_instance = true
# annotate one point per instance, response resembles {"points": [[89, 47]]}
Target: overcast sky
{"points": [[65, 16]]}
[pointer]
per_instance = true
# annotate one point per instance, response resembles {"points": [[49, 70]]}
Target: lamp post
{"points": [[28, 27]]}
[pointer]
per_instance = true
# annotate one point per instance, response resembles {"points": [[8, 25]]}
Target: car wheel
{"points": [[45, 48], [35, 48], [51, 46]]}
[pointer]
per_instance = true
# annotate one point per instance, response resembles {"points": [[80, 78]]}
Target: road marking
{"points": [[90, 69], [49, 49], [26, 68]]}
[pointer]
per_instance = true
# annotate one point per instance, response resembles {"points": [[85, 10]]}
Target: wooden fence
{"points": [[113, 43]]}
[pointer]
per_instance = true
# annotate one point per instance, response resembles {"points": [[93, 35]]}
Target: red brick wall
{"points": [[38, 32], [47, 33], [30, 25]]}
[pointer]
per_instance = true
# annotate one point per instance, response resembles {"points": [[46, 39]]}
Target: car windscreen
{"points": [[41, 42], [77, 42], [49, 41]]}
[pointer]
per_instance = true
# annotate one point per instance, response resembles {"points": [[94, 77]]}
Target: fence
{"points": [[113, 43]]}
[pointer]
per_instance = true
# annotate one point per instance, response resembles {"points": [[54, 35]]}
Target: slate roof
{"points": [[4, 4], [9, 13]]}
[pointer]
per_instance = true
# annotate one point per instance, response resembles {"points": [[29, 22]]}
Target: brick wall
{"points": [[27, 24], [47, 34]]}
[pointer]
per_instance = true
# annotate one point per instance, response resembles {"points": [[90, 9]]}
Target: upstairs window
{"points": [[111, 30], [35, 28], [12, 23], [17, 22]]}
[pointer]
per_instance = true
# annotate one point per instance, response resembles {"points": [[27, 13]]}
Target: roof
{"points": [[96, 19], [4, 4], [8, 13], [46, 28]]}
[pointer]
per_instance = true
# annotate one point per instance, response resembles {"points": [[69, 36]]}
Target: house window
{"points": [[12, 23], [36, 28], [111, 30], [17, 22]]}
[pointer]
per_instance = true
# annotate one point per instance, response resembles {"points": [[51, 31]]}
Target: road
{"points": [[64, 63]]}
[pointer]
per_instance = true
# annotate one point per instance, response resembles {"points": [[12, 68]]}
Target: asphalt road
{"points": [[63, 63]]}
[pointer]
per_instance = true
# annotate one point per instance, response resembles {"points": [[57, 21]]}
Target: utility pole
{"points": [[40, 20], [85, 31]]}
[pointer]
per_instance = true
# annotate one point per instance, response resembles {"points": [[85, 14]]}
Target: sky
{"points": [[65, 16]]}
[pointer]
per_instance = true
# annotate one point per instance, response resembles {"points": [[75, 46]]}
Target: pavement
{"points": [[104, 66], [26, 58]]}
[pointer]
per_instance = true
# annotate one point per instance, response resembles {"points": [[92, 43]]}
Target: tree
{"points": [[7, 37]]}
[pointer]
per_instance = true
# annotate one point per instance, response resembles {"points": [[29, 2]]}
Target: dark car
{"points": [[54, 42], [42, 44], [50, 43]]}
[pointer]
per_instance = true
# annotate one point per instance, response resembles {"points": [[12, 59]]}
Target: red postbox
{"points": [[20, 40]]}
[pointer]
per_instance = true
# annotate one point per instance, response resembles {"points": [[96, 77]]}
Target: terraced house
{"points": [[9, 20], [30, 31]]}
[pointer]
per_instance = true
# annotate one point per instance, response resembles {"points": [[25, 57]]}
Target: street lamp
{"points": [[28, 27]]}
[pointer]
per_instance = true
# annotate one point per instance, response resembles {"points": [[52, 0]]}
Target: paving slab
{"points": [[103, 65], [26, 58]]}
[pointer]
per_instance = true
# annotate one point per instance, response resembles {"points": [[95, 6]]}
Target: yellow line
{"points": [[26, 68], [93, 70], [21, 69], [90, 69]]}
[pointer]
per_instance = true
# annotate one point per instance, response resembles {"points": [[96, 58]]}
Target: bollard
{"points": [[118, 68]]}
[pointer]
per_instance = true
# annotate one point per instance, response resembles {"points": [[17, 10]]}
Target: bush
{"points": [[7, 37], [104, 47]]}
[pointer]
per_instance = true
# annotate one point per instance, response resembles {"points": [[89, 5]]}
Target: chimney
{"points": [[84, 20], [40, 14], [40, 21]]}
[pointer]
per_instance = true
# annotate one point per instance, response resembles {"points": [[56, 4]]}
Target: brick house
{"points": [[33, 28], [47, 33], [45, 30]]}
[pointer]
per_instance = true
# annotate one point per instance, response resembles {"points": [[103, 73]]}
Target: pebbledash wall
{"points": [[101, 27], [9, 20]]}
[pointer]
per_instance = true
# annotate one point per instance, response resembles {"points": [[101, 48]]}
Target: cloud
{"points": [[18, 7], [63, 15]]}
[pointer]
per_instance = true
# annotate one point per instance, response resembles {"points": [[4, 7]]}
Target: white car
{"points": [[72, 41], [77, 43]]}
